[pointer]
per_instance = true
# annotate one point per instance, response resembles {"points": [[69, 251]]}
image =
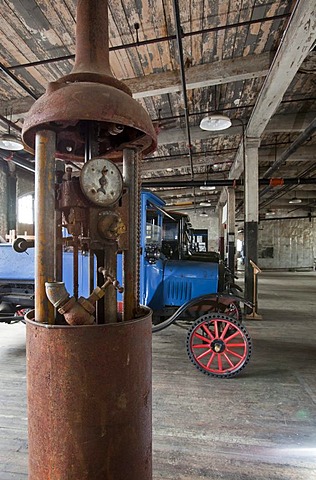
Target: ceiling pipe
{"points": [[183, 82], [166, 38], [20, 162], [308, 132], [302, 180], [10, 123], [13, 77], [229, 183]]}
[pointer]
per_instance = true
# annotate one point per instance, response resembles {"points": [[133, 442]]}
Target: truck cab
{"points": [[172, 273]]}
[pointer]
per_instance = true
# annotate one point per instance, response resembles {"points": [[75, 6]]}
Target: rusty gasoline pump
{"points": [[88, 119], [99, 207], [93, 210]]}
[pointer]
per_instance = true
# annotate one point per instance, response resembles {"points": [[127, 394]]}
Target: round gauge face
{"points": [[101, 181]]}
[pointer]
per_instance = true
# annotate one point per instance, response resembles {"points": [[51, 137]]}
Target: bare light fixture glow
{"points": [[207, 187], [215, 122], [10, 142], [203, 214], [295, 200]]}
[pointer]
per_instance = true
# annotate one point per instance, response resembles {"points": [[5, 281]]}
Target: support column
{"points": [[44, 222], [221, 240], [131, 177], [251, 215], [11, 197], [231, 230]]}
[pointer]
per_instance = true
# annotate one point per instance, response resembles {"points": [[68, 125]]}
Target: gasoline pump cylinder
{"points": [[89, 390]]}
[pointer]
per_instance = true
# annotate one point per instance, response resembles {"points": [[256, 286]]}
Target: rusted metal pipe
{"points": [[89, 401], [110, 297], [44, 222], [92, 44]]}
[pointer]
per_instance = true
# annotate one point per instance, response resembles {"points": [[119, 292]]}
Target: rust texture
{"points": [[89, 401], [44, 227], [91, 93]]}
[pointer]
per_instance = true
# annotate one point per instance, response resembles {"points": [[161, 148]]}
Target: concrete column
{"points": [[231, 229], [251, 215], [220, 233]]}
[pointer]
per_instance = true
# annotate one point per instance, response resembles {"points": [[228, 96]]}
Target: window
{"points": [[26, 209]]}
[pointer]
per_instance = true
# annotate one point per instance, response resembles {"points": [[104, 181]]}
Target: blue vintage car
{"points": [[181, 286]]}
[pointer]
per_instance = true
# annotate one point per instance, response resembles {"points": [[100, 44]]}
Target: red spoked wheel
{"points": [[218, 345]]}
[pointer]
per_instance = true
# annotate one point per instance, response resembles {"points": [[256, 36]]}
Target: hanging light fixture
{"points": [[205, 186], [9, 141], [216, 121], [203, 213], [295, 200]]}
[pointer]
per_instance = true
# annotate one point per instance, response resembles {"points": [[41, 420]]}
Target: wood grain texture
{"points": [[260, 425]]}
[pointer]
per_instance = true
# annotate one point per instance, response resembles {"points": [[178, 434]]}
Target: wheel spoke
{"points": [[205, 345], [224, 331], [234, 353], [228, 360], [206, 329], [219, 361], [236, 345], [204, 354], [216, 328], [210, 360], [233, 335], [198, 335]]}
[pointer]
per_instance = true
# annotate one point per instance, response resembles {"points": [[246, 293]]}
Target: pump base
{"points": [[89, 401]]}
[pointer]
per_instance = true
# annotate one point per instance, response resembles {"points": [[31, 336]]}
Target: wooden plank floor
{"points": [[258, 426]]}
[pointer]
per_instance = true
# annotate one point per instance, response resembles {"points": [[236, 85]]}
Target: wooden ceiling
{"points": [[253, 60]]}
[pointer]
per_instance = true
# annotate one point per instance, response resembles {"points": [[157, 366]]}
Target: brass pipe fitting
{"points": [[77, 312]]}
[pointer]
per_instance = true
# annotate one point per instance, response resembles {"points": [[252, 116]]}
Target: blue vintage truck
{"points": [[181, 286]]}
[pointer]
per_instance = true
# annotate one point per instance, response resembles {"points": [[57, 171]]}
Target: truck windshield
{"points": [[153, 234]]}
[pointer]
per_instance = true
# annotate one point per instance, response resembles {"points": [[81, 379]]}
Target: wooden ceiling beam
{"points": [[296, 43], [199, 76], [297, 40], [150, 167]]}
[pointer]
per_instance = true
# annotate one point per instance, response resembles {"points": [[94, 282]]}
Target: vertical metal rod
{"points": [[131, 256], [58, 248], [179, 34], [91, 270], [44, 222], [59, 173], [75, 266], [110, 295], [100, 310]]}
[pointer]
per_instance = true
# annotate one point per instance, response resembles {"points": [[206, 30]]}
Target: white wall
{"points": [[211, 224]]}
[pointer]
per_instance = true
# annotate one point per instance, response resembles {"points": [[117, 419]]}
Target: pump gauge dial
{"points": [[101, 181]]}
